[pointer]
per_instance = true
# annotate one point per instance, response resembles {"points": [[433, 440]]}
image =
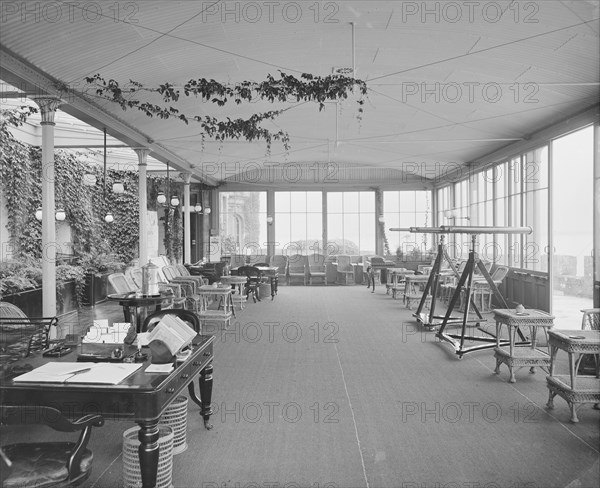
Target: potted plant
{"points": [[97, 267]]}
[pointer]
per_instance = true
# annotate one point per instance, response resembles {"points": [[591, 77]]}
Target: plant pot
{"points": [[30, 301]]}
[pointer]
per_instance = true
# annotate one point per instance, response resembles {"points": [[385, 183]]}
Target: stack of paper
{"points": [[59, 372], [101, 333]]}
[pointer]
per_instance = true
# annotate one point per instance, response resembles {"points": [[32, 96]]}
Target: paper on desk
{"points": [[160, 368], [64, 372]]}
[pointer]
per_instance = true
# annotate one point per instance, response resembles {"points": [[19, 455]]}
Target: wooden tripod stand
{"points": [[458, 340]]}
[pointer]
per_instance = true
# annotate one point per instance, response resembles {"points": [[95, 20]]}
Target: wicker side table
{"points": [[526, 354], [575, 390]]}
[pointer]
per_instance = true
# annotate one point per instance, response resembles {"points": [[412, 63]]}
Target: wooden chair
{"points": [[47, 464], [19, 334], [315, 268], [345, 270], [296, 269], [255, 278]]}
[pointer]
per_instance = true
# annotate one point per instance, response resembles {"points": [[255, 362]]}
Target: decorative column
{"points": [[271, 223], [379, 226], [48, 107], [142, 155], [187, 237]]}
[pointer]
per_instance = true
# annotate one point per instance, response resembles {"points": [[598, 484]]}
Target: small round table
{"points": [[138, 305], [239, 282]]}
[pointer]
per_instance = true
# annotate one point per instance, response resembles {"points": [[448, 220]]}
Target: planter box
{"points": [[30, 301], [96, 288]]}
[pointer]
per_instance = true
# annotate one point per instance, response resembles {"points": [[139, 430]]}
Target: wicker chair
{"points": [[19, 334], [589, 363], [296, 269], [315, 268], [345, 270]]}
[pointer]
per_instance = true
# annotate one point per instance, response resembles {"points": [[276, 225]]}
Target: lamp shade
{"points": [[197, 208], [269, 220], [174, 201], [60, 215], [38, 214], [161, 198], [118, 187], [207, 210], [108, 218]]}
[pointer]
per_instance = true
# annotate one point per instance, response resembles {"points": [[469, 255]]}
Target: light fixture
{"points": [[89, 179], [118, 187], [269, 220], [60, 215], [381, 219], [207, 210], [38, 214], [198, 208], [161, 198], [174, 201], [452, 213], [108, 218]]}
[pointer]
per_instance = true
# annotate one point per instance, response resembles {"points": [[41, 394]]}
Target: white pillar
{"points": [[143, 205], [187, 237], [48, 107]]}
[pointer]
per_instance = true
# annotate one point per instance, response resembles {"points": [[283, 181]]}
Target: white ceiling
{"points": [[493, 77]]}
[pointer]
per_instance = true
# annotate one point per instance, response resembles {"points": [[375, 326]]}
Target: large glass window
{"points": [[298, 222], [243, 222], [351, 222], [405, 209]]}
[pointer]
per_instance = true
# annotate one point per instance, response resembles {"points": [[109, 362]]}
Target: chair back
{"points": [[296, 264], [344, 263], [135, 275], [119, 283], [316, 262], [591, 319], [499, 274], [183, 271], [170, 272], [252, 272], [280, 262], [186, 315]]}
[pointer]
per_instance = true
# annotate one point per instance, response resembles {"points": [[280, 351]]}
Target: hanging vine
{"points": [[286, 88]]}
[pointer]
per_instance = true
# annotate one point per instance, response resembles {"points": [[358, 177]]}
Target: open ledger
{"points": [[64, 372], [173, 333]]}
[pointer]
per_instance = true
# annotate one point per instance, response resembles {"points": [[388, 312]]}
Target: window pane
{"points": [[298, 201], [282, 201], [334, 202], [314, 201], [350, 202], [367, 201]]}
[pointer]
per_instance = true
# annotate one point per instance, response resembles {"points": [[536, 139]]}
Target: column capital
{"points": [[48, 106], [186, 177], [142, 154]]}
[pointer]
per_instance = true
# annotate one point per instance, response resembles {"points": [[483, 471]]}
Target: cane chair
{"points": [[19, 334], [189, 286], [296, 269], [589, 363], [482, 292], [315, 268], [345, 270], [47, 464], [279, 261], [447, 288]]}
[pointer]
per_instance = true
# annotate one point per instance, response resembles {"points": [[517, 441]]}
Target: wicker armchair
{"points": [[315, 268], [296, 269]]}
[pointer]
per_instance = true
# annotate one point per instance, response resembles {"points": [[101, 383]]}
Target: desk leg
{"points": [[148, 452], [205, 383]]}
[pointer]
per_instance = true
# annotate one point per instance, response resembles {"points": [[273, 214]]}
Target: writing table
{"points": [[525, 353], [141, 397], [575, 389]]}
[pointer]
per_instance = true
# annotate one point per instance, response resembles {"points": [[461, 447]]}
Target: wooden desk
{"points": [[575, 389], [526, 354], [140, 397]]}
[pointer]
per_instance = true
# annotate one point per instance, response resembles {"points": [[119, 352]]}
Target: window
{"points": [[298, 222], [243, 222], [351, 222], [405, 209]]}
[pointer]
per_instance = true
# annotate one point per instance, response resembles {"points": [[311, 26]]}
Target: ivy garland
{"points": [[97, 246], [308, 88]]}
